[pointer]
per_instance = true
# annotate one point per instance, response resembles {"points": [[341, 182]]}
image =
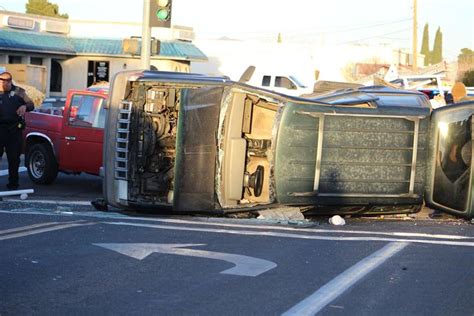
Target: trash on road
{"points": [[286, 213], [337, 220]]}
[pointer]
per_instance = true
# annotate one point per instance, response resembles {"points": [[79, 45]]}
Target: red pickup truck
{"points": [[67, 139]]}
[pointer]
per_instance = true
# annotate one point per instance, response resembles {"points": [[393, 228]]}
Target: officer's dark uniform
{"points": [[11, 127]]}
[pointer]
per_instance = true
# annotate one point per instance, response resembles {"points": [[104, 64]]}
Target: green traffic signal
{"points": [[162, 14]]}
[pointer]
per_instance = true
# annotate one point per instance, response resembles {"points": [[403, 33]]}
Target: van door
{"points": [[83, 133], [450, 181]]}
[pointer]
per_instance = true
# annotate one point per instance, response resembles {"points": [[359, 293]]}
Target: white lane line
{"points": [[202, 222], [298, 236], [17, 229], [5, 171], [309, 230], [43, 230], [56, 202], [331, 290]]}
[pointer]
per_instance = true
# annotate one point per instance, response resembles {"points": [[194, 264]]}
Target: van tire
{"points": [[41, 164]]}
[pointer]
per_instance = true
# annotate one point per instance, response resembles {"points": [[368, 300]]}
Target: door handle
{"points": [[70, 137]]}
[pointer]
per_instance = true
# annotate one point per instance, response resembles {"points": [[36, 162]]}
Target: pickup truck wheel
{"points": [[41, 164]]}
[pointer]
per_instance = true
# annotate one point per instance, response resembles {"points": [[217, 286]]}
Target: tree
{"points": [[466, 56], [425, 45], [468, 78], [437, 54], [466, 67], [45, 8]]}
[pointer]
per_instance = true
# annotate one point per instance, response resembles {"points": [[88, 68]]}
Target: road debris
{"points": [[337, 220], [284, 213]]}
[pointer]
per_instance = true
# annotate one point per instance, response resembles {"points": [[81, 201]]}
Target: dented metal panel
{"points": [[337, 156]]}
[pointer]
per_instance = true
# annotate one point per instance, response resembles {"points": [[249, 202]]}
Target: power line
{"points": [[395, 38], [375, 36], [363, 27], [341, 29]]}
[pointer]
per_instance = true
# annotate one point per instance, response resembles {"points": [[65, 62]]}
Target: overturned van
{"points": [[191, 143]]}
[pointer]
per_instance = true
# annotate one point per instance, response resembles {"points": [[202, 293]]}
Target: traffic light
{"points": [[160, 13]]}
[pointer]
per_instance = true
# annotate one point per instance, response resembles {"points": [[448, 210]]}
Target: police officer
{"points": [[13, 104]]}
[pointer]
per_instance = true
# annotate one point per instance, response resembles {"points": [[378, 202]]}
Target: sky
{"points": [[330, 22]]}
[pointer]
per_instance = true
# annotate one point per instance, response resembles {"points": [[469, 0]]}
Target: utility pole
{"points": [[146, 36], [415, 39]]}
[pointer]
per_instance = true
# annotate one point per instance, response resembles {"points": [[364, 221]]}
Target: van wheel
{"points": [[41, 164]]}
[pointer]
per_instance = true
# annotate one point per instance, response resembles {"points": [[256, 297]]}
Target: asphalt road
{"points": [[108, 263], [60, 256], [82, 187]]}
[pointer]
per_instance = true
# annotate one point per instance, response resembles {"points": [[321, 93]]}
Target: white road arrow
{"points": [[244, 265]]}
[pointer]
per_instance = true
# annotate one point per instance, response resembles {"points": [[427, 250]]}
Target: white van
{"points": [[286, 84], [275, 81]]}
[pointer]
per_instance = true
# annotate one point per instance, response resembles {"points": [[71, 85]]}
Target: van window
{"points": [[284, 82], [266, 81], [297, 82]]}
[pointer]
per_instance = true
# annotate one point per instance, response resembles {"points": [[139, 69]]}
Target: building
{"points": [[74, 57], [231, 57]]}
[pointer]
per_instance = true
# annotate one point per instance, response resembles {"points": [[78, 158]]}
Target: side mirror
{"points": [[247, 75]]}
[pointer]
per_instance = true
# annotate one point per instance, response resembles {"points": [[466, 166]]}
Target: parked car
{"points": [[66, 138], [191, 143]]}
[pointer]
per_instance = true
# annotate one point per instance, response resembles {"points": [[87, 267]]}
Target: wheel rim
{"points": [[37, 164]]}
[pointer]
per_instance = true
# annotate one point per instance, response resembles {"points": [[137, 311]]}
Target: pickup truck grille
{"points": [[122, 135]]}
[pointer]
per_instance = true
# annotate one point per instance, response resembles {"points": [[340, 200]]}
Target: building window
{"points": [[12, 59], [36, 60], [56, 76], [97, 71]]}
